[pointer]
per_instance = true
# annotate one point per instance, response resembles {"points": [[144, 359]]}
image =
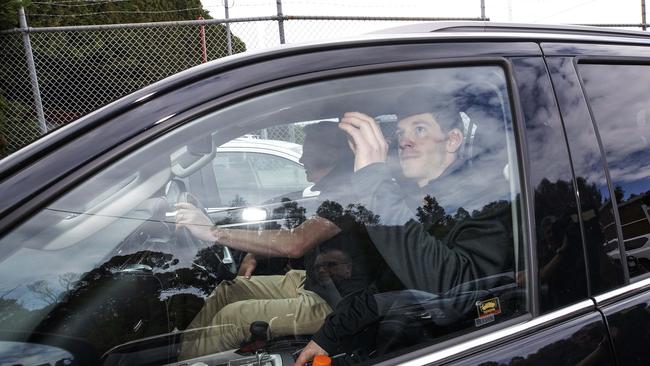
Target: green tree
{"points": [[619, 194], [9, 13], [54, 13]]}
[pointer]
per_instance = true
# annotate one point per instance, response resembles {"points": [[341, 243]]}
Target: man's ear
{"points": [[454, 140]]}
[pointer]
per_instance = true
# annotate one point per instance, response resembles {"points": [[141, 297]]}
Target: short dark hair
{"points": [[444, 107], [327, 133]]}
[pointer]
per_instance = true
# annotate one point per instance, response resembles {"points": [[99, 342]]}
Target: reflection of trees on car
{"points": [[560, 248], [126, 298], [440, 222], [90, 309], [357, 211], [292, 214]]}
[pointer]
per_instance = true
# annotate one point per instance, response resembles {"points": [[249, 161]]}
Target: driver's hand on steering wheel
{"points": [[307, 354], [195, 221]]}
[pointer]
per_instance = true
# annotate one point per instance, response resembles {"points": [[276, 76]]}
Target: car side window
{"points": [[278, 175], [236, 181], [398, 225], [620, 107], [244, 175]]}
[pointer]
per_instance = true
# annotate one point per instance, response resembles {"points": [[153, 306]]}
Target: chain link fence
{"points": [[79, 69]]}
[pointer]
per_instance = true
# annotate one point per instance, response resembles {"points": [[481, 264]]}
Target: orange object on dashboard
{"points": [[321, 360]]}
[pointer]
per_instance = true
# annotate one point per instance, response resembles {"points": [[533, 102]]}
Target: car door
{"points": [[610, 107]]}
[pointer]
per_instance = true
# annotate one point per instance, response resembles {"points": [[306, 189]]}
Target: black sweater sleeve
{"points": [[353, 314]]}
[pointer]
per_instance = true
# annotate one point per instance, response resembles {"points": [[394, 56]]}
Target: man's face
{"points": [[318, 159], [422, 147], [332, 265]]}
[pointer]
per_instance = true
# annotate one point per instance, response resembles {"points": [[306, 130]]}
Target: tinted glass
{"points": [[403, 227], [278, 175], [597, 218], [252, 178], [236, 180], [620, 106]]}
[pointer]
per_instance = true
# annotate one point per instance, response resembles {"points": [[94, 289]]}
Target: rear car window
{"points": [[621, 109]]}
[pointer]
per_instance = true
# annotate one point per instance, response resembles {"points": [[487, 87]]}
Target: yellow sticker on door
{"points": [[489, 307]]}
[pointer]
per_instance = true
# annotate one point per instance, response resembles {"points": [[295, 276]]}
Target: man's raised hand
{"points": [[366, 139]]}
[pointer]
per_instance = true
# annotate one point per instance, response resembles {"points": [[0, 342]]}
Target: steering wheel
{"points": [[191, 245]]}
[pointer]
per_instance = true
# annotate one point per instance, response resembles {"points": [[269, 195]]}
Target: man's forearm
{"points": [[293, 243]]}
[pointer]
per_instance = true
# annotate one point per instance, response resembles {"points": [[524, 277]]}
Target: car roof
{"points": [[500, 27]]}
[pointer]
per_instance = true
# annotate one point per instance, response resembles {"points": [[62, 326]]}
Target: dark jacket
{"points": [[425, 256]]}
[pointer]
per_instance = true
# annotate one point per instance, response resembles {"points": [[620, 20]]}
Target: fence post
{"points": [[280, 20], [228, 36], [204, 48], [482, 9], [643, 23], [32, 70]]}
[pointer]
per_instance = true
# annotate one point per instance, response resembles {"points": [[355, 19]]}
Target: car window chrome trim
{"points": [[632, 289], [502, 335]]}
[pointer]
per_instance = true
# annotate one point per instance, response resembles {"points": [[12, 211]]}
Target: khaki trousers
{"points": [[224, 321]]}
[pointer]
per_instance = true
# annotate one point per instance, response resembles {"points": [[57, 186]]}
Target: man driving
{"points": [[297, 302]]}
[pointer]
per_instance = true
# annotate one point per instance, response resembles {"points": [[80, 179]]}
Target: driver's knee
{"points": [[213, 304]]}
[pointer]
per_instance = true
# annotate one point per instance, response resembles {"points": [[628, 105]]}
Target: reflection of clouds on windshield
{"points": [[544, 138], [19, 353], [630, 173], [474, 189], [621, 115], [481, 180], [51, 267], [621, 139], [481, 94], [585, 151]]}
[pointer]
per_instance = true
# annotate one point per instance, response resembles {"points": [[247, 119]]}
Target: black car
{"points": [[487, 202]]}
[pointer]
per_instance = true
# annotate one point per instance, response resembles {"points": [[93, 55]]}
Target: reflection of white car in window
{"points": [[635, 226], [246, 174], [259, 161]]}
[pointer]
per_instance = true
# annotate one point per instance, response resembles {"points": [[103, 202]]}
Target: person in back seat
{"points": [[428, 255]]}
